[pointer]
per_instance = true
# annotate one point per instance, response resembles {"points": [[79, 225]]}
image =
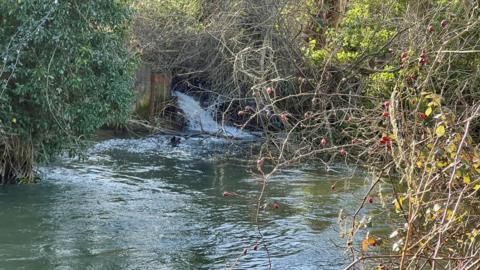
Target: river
{"points": [[142, 204]]}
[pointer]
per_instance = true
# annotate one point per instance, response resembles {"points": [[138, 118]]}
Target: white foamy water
{"points": [[202, 120]]}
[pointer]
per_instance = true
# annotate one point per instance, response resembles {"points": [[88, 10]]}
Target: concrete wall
{"points": [[152, 90]]}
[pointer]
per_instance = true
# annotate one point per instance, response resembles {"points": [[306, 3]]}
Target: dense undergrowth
{"points": [[389, 85]]}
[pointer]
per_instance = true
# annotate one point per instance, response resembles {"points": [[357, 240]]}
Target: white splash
{"points": [[202, 120]]}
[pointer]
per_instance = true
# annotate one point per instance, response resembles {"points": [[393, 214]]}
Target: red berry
{"points": [[385, 140], [354, 141], [430, 29], [324, 142], [226, 194], [284, 117], [260, 162], [444, 24], [422, 61], [276, 205], [386, 104], [404, 56], [370, 199], [269, 90], [411, 79], [241, 113], [386, 114], [422, 116], [343, 152]]}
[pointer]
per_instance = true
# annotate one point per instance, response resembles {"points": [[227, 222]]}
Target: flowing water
{"points": [[143, 204], [200, 119]]}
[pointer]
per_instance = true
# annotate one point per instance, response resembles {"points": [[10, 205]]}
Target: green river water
{"points": [[141, 204]]}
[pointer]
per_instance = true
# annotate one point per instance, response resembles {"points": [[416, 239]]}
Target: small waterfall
{"points": [[202, 120]]}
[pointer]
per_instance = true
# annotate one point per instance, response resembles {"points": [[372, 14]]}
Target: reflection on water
{"points": [[141, 204]]}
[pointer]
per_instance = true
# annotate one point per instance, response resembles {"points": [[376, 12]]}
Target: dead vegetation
{"points": [[389, 86]]}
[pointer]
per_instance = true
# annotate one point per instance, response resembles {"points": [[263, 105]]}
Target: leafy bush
{"points": [[419, 124], [65, 72], [393, 87]]}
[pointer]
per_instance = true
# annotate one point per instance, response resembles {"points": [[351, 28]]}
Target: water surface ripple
{"points": [[141, 204]]}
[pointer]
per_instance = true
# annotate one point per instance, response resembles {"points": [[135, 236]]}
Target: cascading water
{"points": [[202, 120]]}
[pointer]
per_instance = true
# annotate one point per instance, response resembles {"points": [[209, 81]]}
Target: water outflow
{"points": [[199, 119]]}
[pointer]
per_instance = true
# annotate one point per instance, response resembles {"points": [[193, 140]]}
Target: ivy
{"points": [[65, 70]]}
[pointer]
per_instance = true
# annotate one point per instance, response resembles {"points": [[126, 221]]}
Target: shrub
{"points": [[65, 72]]}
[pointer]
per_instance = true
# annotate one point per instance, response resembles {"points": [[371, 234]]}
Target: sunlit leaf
{"points": [[428, 111], [457, 138], [440, 131], [398, 203], [370, 242], [365, 245], [441, 164], [476, 166], [449, 214], [436, 99], [466, 179], [451, 148]]}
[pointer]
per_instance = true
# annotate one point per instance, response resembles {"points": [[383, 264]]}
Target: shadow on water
{"points": [[142, 204]]}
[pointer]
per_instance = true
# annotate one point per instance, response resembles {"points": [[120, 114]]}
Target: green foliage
{"points": [[314, 55], [381, 83], [361, 31], [65, 70], [180, 14]]}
